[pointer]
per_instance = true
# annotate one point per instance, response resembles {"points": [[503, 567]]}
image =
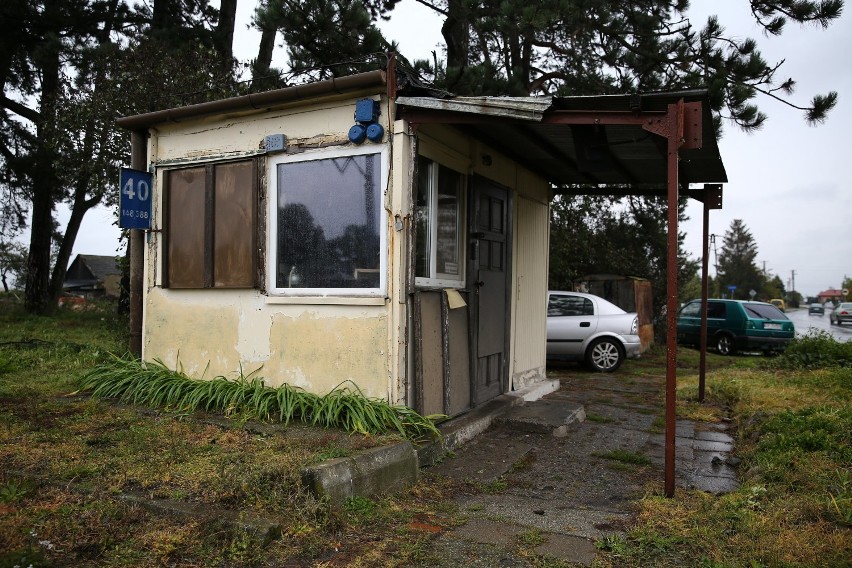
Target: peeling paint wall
{"points": [[216, 332], [313, 343], [319, 343]]}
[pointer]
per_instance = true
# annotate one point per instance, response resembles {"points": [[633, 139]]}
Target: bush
{"points": [[817, 349]]}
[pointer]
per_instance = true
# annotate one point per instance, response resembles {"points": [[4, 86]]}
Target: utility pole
{"points": [[793, 280]]}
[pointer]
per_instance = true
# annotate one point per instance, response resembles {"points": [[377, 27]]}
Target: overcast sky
{"points": [[785, 181]]}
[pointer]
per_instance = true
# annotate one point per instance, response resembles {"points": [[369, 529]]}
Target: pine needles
{"points": [[154, 385]]}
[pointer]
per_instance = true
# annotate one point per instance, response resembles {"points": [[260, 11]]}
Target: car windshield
{"points": [[764, 311]]}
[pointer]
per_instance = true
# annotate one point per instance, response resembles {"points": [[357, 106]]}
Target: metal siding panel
{"points": [[431, 356], [459, 361], [531, 285]]}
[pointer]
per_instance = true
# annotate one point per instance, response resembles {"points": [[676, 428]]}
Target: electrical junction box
{"points": [[276, 143], [366, 110]]}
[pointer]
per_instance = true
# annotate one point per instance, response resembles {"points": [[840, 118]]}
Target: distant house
{"points": [[832, 295], [93, 276]]}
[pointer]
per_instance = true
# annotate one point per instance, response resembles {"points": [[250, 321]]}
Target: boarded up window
{"points": [[210, 226]]}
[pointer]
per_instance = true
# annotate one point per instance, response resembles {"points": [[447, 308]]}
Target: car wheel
{"points": [[604, 355], [725, 345]]}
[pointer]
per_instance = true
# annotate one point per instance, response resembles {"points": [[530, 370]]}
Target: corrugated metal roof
{"points": [[585, 158]]}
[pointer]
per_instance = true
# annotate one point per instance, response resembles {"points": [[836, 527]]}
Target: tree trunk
{"points": [[456, 32], [223, 38], [36, 294], [264, 53], [78, 211]]}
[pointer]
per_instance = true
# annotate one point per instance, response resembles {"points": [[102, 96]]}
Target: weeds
{"points": [[816, 349], [626, 457], [14, 491]]}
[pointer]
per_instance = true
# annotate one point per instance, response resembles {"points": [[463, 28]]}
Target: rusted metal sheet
{"points": [[458, 361], [429, 356]]}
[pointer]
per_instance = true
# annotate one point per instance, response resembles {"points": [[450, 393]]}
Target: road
{"points": [[805, 323]]}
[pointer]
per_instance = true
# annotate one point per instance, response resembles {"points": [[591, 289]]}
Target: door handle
{"points": [[479, 283], [585, 324]]}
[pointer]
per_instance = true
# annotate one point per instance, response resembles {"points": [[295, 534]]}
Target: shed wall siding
{"points": [[221, 332], [305, 342], [529, 328]]}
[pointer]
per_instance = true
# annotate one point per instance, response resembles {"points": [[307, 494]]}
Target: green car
{"points": [[736, 325]]}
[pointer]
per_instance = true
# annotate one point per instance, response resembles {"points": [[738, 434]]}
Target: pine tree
{"points": [[588, 47], [737, 262]]}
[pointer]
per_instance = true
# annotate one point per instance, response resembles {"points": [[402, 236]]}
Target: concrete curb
{"points": [[393, 468], [378, 470]]}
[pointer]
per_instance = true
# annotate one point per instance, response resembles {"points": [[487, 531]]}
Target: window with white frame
{"points": [[439, 225], [327, 235]]}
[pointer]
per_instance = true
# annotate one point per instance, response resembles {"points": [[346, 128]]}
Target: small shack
{"points": [[367, 229]]}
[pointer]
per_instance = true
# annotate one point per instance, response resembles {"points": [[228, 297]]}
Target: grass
{"points": [[793, 421], [68, 458]]}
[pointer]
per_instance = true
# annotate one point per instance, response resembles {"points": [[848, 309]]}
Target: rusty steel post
{"points": [[138, 161], [702, 342], [674, 138]]}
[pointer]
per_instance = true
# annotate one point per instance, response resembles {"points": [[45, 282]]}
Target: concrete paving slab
{"points": [[582, 522], [544, 416], [483, 460], [708, 446], [711, 436], [567, 548], [486, 531]]}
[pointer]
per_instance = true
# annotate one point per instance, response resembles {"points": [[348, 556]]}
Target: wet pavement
{"points": [[557, 474]]}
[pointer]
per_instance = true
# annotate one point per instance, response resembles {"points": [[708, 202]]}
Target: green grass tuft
{"points": [[154, 385]]}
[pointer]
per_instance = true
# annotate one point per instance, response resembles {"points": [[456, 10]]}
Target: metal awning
{"points": [[606, 147], [640, 144]]}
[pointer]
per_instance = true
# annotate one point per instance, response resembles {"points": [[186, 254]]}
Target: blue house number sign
{"points": [[135, 199]]}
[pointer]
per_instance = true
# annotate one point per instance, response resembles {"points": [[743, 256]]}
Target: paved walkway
{"points": [[557, 471]]}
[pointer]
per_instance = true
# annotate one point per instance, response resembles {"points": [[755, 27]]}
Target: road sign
{"points": [[732, 287], [845, 291], [135, 199]]}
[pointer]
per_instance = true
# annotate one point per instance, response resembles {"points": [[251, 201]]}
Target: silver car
{"points": [[842, 313], [585, 327]]}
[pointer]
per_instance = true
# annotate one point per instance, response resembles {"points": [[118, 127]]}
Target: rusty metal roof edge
{"points": [[663, 97], [519, 108], [338, 85]]}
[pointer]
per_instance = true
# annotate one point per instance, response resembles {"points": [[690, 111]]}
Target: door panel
{"points": [[490, 240]]}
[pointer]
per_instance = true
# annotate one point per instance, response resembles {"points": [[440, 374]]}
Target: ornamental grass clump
{"points": [[152, 384]]}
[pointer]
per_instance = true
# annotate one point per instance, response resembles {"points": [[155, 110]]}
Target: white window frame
{"points": [[438, 279], [272, 222]]}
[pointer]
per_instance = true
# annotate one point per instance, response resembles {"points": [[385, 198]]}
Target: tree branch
{"points": [[432, 7], [20, 110]]}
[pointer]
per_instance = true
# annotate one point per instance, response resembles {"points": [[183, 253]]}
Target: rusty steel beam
{"points": [[712, 200], [138, 161], [674, 137]]}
